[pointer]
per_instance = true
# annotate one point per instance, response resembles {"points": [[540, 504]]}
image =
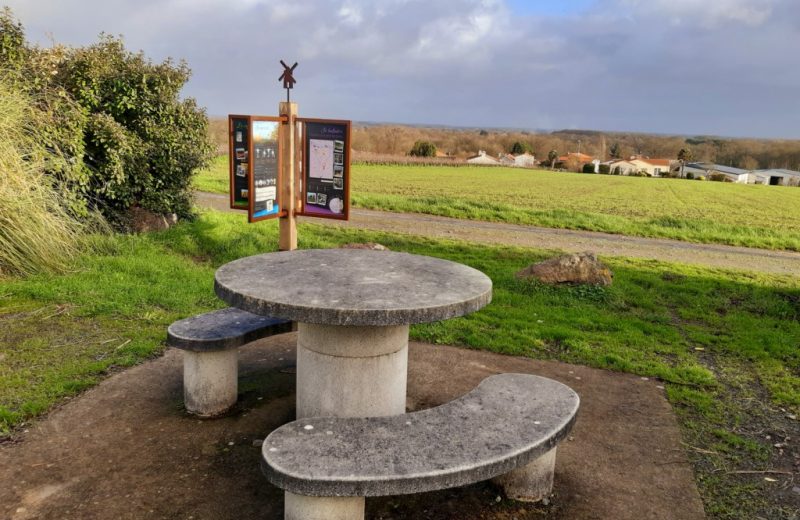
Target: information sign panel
{"points": [[265, 178], [239, 153], [325, 168]]}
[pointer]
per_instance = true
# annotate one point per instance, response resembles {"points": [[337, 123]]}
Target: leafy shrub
{"points": [[617, 171], [519, 148], [700, 178], [588, 168], [423, 149], [605, 169], [689, 175], [128, 138], [717, 177]]}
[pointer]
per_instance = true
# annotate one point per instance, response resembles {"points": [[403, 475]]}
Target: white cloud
{"points": [[708, 13], [624, 64]]}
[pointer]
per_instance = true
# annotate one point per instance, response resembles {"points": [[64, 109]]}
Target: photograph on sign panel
{"points": [[338, 184], [265, 131], [322, 199], [311, 198], [320, 160]]}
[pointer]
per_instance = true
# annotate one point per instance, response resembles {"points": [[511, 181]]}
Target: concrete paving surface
{"points": [[126, 449]]}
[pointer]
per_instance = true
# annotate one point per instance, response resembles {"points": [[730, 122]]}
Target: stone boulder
{"points": [[576, 268], [144, 221], [365, 245]]}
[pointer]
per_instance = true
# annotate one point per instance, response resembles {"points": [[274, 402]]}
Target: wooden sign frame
{"points": [[232, 161], [303, 140], [249, 206]]}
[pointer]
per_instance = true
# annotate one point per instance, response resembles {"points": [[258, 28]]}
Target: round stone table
{"points": [[353, 309]]}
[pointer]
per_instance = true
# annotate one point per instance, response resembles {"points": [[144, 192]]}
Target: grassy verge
{"points": [[724, 343], [706, 212], [215, 178]]}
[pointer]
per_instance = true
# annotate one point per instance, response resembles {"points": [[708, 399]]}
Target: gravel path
{"points": [[709, 255]]}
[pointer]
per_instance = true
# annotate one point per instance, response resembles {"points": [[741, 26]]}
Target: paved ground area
{"points": [[125, 449], [713, 255]]}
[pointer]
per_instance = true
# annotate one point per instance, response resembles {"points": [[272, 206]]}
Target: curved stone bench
{"points": [[210, 367], [507, 427]]}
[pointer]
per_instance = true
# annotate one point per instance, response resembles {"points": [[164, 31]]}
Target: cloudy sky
{"points": [[723, 67]]}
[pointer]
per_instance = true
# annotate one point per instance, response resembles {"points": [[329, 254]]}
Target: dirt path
{"points": [[126, 450], [710, 255]]}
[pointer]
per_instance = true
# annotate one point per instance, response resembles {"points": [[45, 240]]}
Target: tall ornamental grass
{"points": [[37, 232]]}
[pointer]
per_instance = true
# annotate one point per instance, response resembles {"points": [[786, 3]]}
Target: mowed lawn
{"points": [[696, 211]]}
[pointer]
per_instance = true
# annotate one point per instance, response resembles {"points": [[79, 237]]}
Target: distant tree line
{"points": [[461, 143]]}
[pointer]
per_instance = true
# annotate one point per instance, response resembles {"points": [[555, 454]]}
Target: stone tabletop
{"points": [[352, 287]]}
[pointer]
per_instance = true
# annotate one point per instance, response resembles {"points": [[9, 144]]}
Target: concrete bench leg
{"points": [[299, 507], [210, 381], [530, 483]]}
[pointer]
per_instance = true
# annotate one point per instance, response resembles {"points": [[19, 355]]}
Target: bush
{"points": [[605, 169], [617, 171], [689, 175], [700, 178], [423, 149], [119, 120], [588, 168], [519, 148], [717, 177]]}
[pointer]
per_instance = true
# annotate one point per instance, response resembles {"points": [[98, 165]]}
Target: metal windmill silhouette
{"points": [[288, 78]]}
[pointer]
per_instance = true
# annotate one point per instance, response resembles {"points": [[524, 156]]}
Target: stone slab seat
{"points": [[508, 422], [210, 367]]}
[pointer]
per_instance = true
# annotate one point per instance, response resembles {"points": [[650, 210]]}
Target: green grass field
{"points": [[723, 343], [696, 211]]}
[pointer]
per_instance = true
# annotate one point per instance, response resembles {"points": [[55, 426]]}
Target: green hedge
{"points": [[118, 118]]}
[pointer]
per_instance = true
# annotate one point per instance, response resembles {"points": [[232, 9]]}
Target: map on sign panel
{"points": [[321, 159]]}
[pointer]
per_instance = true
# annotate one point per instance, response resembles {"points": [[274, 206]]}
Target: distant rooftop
{"points": [[721, 168]]}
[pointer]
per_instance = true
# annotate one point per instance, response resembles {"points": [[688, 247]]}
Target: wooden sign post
{"points": [[288, 220], [284, 167]]}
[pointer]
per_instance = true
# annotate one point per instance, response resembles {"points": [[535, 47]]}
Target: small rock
{"points": [[545, 501], [258, 442], [144, 221], [498, 499], [791, 416], [578, 268], [366, 245], [796, 490], [230, 443]]}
